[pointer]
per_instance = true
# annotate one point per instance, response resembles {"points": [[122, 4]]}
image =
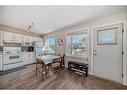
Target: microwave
{"points": [[28, 44]]}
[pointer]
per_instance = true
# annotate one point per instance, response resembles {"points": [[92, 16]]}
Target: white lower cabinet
{"points": [[1, 62], [28, 58], [31, 57]]}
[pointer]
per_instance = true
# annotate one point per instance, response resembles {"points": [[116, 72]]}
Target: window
{"points": [[107, 37], [77, 44], [51, 43]]}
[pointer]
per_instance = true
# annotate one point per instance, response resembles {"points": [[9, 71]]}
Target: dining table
{"points": [[48, 59]]}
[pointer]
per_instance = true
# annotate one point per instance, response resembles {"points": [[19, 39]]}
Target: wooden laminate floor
{"points": [[64, 79]]}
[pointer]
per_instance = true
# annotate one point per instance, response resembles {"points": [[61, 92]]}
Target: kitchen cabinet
{"points": [[34, 39], [12, 37], [31, 57], [37, 39], [27, 38], [1, 62], [28, 58], [1, 38], [25, 58]]}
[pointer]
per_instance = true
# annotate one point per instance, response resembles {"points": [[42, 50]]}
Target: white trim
{"points": [[124, 47], [79, 57], [79, 29], [117, 22]]}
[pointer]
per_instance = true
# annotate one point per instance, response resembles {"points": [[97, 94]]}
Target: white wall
{"points": [[118, 18]]}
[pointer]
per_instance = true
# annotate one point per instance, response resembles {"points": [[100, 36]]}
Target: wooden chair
{"points": [[56, 64], [41, 68], [62, 60]]}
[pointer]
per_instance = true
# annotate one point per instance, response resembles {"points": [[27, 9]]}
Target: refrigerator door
{"points": [[39, 44], [39, 49], [38, 52]]}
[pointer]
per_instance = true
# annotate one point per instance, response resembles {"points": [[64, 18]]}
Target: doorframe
{"points": [[124, 45]]}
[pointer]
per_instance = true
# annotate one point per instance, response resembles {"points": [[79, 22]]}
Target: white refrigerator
{"points": [[38, 48]]}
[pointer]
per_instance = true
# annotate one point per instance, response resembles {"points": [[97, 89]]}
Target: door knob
{"points": [[95, 54]]}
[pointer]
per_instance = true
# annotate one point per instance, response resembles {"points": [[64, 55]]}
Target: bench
{"points": [[78, 66]]}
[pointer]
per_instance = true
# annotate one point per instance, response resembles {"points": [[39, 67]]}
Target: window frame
{"points": [[86, 31], [51, 37]]}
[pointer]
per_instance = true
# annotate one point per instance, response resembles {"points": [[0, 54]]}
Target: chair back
{"points": [[56, 60], [39, 61]]}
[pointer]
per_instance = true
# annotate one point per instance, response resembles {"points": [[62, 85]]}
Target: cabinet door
{"points": [[28, 58], [37, 39], [40, 39], [31, 57], [18, 38], [31, 38], [12, 37], [1, 38], [27, 38], [1, 64], [25, 58], [8, 36]]}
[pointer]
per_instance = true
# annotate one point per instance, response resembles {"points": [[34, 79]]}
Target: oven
{"points": [[12, 57]]}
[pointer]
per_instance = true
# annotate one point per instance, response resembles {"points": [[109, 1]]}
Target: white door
{"points": [[108, 52]]}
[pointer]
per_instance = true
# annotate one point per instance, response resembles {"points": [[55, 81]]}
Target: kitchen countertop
{"points": [[27, 51]]}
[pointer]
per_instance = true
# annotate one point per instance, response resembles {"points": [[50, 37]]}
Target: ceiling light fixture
{"points": [[30, 27]]}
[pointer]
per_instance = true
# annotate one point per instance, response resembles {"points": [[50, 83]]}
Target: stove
{"points": [[12, 58]]}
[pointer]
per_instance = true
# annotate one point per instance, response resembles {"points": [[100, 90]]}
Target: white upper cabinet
{"points": [[37, 39], [1, 38], [17, 38], [12, 37], [27, 38]]}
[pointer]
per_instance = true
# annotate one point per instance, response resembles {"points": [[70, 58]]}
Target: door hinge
{"points": [[122, 52], [122, 75]]}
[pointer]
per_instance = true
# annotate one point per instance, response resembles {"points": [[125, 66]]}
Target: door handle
{"points": [[95, 53], [8, 52]]}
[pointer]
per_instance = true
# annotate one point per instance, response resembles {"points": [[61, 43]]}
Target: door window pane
{"points": [[107, 37]]}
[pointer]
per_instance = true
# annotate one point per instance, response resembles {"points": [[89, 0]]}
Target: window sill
{"points": [[79, 57]]}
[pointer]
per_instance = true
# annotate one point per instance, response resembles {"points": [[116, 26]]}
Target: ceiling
{"points": [[51, 18]]}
